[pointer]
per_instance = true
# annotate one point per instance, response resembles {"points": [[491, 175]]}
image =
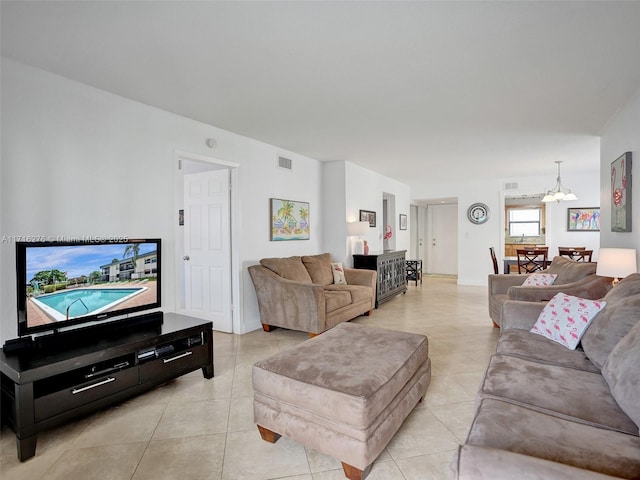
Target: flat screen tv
{"points": [[71, 282]]}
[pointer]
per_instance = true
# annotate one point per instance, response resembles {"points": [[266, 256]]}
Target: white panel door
{"points": [[207, 248], [443, 240]]}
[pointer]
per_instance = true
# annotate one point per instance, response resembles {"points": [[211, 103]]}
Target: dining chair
{"points": [[532, 259], [494, 260], [579, 255], [569, 251]]}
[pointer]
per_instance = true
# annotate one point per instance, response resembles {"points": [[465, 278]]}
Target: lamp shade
{"points": [[616, 262], [355, 229]]}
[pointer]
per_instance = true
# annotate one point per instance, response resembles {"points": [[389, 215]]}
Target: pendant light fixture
{"points": [[559, 192]]}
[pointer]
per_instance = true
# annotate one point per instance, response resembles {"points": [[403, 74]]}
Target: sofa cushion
{"points": [[290, 268], [569, 271], [359, 293], [506, 426], [565, 318], [337, 299], [522, 343], [576, 395], [622, 372], [614, 322], [540, 280], [319, 268]]}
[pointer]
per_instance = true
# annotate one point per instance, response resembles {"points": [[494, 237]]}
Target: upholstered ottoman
{"points": [[344, 393]]}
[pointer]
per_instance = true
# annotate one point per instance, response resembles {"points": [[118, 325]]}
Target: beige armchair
{"points": [[574, 278], [299, 293]]}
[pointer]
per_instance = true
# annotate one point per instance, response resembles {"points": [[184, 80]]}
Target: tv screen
{"points": [[67, 283]]}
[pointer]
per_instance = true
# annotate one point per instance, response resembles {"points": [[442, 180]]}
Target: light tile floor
{"points": [[194, 428]]}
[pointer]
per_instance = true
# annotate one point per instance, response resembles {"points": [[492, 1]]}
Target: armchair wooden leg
{"points": [[495, 325], [353, 473]]}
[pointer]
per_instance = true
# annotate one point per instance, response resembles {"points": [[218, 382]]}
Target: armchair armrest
{"points": [[500, 282], [591, 287], [520, 315]]}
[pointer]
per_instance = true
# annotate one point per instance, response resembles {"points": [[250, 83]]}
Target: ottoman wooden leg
{"points": [[267, 435], [267, 328], [353, 473]]}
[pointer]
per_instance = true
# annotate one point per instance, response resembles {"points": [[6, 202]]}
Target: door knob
{"points": [[186, 257]]}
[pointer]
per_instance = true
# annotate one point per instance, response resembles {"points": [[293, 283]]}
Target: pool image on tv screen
{"points": [[87, 281]]}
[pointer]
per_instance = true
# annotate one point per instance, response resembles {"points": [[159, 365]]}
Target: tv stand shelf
{"points": [[78, 373]]}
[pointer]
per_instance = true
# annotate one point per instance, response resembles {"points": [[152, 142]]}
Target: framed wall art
{"points": [[621, 193], [403, 221], [289, 219], [368, 216], [583, 219]]}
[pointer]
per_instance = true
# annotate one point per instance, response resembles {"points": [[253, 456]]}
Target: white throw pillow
{"points": [[565, 318], [540, 279], [338, 274]]}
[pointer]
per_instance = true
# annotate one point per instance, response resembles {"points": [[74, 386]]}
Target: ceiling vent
{"points": [[511, 186], [285, 163]]}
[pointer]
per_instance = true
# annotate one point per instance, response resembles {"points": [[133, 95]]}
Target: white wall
{"points": [[474, 263], [622, 134], [72, 162], [364, 191]]}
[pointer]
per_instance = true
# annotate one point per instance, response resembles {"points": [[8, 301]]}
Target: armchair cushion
{"points": [[569, 271], [540, 280], [290, 268], [319, 268]]}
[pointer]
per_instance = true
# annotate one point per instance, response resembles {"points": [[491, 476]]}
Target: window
{"points": [[525, 221]]}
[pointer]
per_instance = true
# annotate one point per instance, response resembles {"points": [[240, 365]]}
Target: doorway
{"points": [[206, 285], [442, 239]]}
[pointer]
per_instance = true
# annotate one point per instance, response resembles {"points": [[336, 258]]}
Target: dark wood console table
{"points": [[391, 272], [82, 371]]}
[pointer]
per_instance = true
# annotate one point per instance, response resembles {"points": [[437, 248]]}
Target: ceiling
{"points": [[419, 91]]}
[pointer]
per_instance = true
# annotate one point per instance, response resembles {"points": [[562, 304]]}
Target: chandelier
{"points": [[558, 192]]}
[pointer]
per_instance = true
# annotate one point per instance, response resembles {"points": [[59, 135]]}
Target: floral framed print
{"points": [[289, 219], [583, 219], [621, 193]]}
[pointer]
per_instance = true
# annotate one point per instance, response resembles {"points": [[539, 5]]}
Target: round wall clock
{"points": [[478, 213]]}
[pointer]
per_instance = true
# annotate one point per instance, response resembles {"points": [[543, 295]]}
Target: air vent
{"points": [[511, 186], [285, 163]]}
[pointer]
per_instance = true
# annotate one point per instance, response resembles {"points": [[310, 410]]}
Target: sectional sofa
{"points": [[545, 411]]}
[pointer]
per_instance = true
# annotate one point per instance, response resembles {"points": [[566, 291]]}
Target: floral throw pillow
{"points": [[565, 318], [338, 274], [540, 280]]}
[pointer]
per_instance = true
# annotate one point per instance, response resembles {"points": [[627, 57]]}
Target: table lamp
{"points": [[357, 229], [616, 263]]}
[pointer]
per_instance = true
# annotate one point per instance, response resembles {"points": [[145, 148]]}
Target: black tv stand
{"points": [[68, 374]]}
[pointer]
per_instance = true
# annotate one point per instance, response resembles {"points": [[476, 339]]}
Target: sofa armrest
{"points": [[357, 276], [501, 282], [288, 303], [474, 462], [591, 287], [520, 315]]}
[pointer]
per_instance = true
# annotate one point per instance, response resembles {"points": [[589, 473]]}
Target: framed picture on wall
{"points": [[403, 221], [621, 193], [368, 216], [583, 219], [289, 219]]}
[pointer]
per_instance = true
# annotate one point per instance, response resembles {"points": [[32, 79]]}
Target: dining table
{"points": [[508, 261]]}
